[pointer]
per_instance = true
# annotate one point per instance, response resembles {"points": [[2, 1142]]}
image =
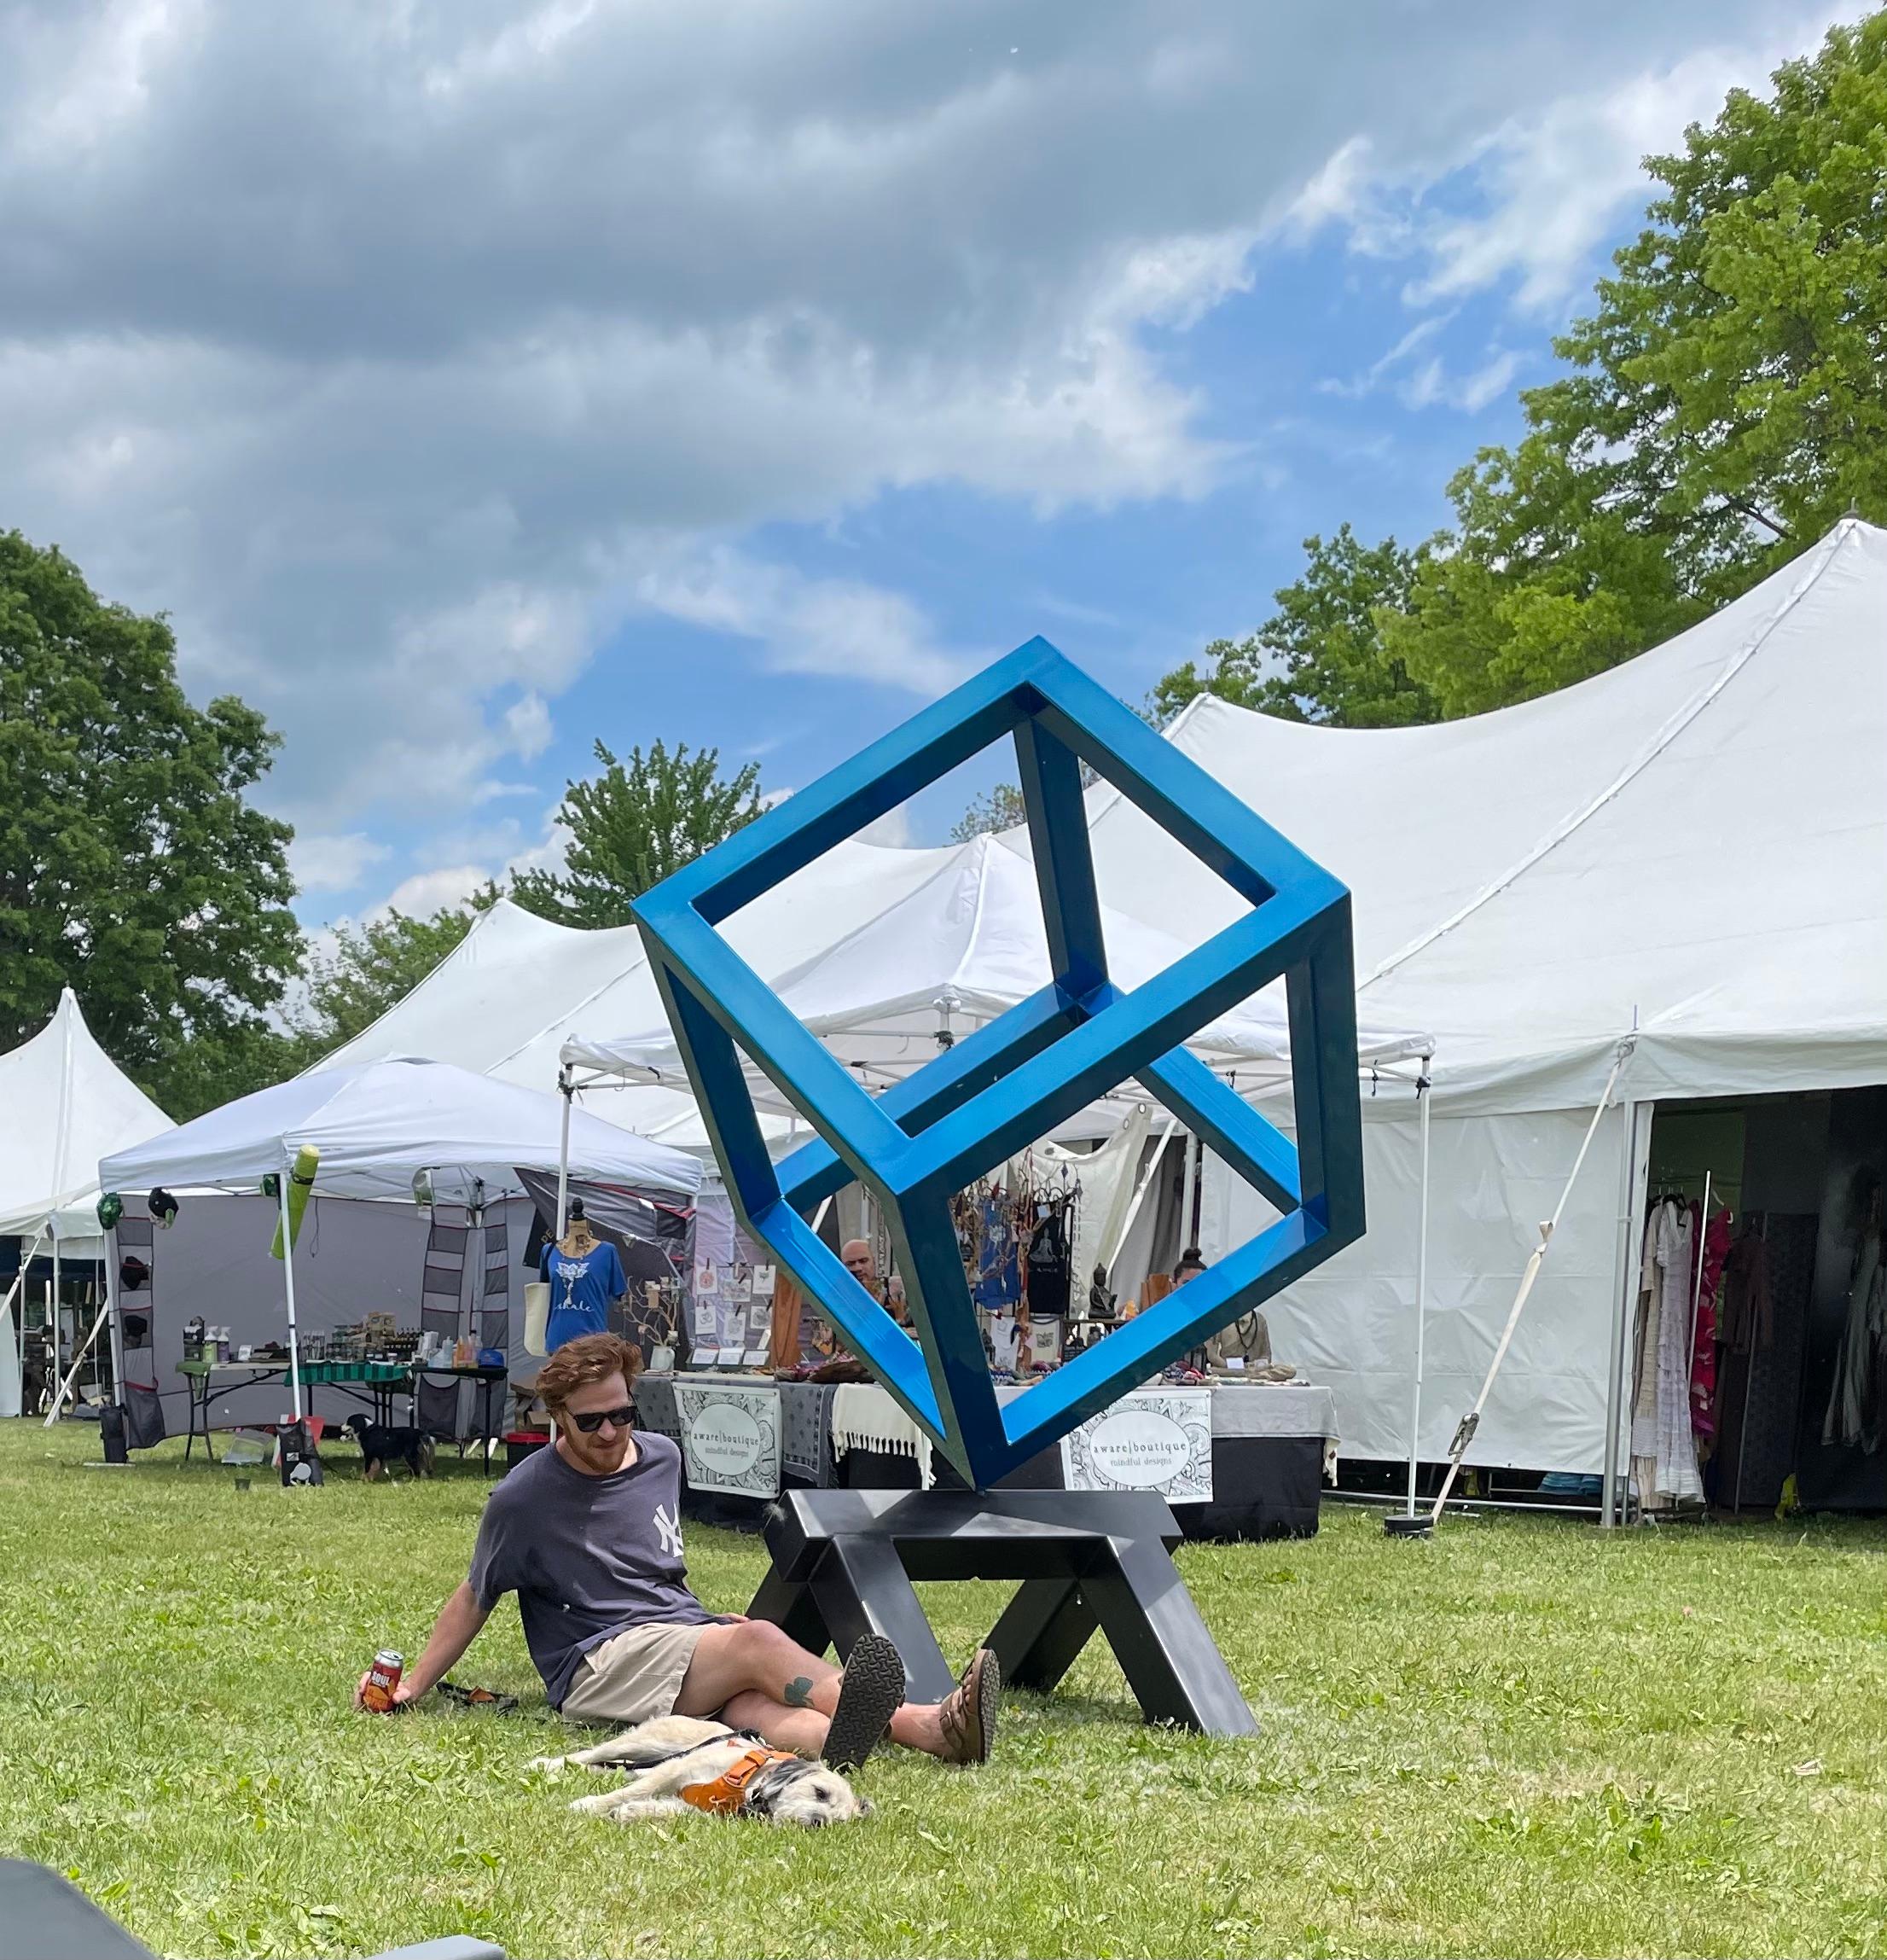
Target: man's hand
{"points": [[403, 1696]]}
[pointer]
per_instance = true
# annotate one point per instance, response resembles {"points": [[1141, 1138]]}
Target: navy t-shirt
{"points": [[580, 1290], [587, 1557]]}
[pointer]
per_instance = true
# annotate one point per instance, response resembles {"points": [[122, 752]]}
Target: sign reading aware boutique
{"points": [[731, 1436], [1157, 1440]]}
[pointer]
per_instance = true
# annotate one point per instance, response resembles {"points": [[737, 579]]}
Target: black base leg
{"points": [[791, 1608], [862, 1587], [845, 1561], [1165, 1649], [1042, 1633]]}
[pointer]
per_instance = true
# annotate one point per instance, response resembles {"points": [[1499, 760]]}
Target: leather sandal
{"points": [[967, 1715]]}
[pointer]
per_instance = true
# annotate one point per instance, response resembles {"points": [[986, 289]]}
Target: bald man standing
{"points": [[862, 1263]]}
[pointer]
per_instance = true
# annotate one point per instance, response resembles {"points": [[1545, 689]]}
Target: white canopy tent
{"points": [[1693, 846], [66, 1105], [377, 1125]]}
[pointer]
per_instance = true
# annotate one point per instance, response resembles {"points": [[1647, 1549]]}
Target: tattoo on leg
{"points": [[799, 1692]]}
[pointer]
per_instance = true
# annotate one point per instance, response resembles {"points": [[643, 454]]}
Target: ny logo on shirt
{"points": [[667, 1528]]}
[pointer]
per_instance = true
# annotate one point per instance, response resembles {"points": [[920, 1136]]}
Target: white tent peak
{"points": [[68, 1103]]}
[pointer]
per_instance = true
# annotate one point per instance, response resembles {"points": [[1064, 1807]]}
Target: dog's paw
{"points": [[598, 1806], [548, 1765]]}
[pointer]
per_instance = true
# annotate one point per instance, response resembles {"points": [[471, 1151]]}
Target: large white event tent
{"points": [[1688, 852], [378, 1124], [66, 1104]]}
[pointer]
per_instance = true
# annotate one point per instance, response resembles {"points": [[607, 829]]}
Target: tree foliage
{"points": [[998, 809], [633, 824], [1722, 404], [1320, 657], [132, 866]]}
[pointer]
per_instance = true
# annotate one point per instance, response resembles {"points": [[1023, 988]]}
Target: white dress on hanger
{"points": [[1676, 1479], [1644, 1401]]}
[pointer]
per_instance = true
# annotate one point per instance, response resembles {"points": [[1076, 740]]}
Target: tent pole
{"points": [[109, 1312], [54, 1313], [563, 1153], [1424, 1089], [289, 1283], [1612, 1504], [1470, 1423], [1189, 1185]]}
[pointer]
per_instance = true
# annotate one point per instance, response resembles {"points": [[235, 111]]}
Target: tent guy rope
{"points": [[1470, 1423]]}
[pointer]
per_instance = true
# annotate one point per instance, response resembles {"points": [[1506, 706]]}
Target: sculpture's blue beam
{"points": [[1006, 1085]]}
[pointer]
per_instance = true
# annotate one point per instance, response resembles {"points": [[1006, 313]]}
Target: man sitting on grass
{"points": [[588, 1533]]}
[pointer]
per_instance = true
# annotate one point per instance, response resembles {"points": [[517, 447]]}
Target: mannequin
{"points": [[586, 1277], [578, 1237]]}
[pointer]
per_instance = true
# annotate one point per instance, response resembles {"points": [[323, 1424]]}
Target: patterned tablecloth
{"points": [[805, 1422]]}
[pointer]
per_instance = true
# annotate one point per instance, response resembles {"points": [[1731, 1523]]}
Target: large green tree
{"points": [[1721, 405], [132, 866], [639, 819], [1320, 657]]}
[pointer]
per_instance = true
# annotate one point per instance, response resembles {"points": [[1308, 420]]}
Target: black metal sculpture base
{"points": [[843, 1561]]}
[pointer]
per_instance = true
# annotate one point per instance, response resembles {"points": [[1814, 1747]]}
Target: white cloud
{"points": [[333, 864], [840, 627], [892, 828], [1431, 383], [424, 893], [400, 353], [1552, 181], [527, 721], [1428, 383]]}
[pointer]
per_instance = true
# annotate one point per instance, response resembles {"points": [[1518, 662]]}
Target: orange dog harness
{"points": [[728, 1792]]}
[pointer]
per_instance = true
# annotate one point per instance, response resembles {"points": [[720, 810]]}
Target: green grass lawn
{"points": [[1524, 1737]]}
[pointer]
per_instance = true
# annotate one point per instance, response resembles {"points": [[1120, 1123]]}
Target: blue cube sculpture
{"points": [[1015, 1080]]}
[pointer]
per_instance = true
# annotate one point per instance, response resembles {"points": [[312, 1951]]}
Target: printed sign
{"points": [[1156, 1439], [731, 1436]]}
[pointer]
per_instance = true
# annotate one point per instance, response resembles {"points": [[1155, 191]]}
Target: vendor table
{"points": [[374, 1382], [1270, 1443]]}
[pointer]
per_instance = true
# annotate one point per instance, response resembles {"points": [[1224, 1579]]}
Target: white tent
{"points": [[377, 1124], [67, 1103], [956, 951], [1693, 845]]}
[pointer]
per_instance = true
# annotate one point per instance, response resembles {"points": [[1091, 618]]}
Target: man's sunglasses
{"points": [[593, 1419]]}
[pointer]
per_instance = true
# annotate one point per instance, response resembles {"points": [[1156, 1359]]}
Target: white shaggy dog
{"points": [[683, 1765]]}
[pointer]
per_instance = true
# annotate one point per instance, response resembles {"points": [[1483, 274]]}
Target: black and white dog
{"points": [[381, 1447], [679, 1765]]}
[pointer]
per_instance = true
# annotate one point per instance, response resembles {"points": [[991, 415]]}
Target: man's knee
{"points": [[761, 1642]]}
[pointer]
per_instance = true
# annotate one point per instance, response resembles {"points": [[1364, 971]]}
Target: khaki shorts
{"points": [[634, 1677]]}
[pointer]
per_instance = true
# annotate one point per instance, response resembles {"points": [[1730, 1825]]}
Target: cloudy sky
{"points": [[469, 381]]}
